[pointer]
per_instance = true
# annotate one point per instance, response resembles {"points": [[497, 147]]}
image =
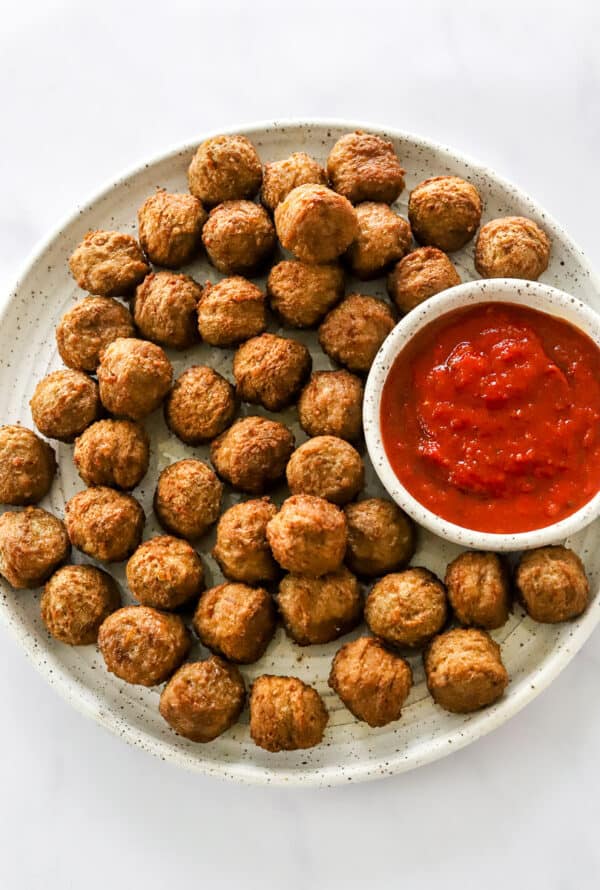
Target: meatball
{"points": [[308, 536], [270, 370], [142, 645], [27, 466], [444, 211], [165, 307], [478, 589], [115, 453], [64, 403], [252, 454], [188, 498], [331, 405], [242, 549], [164, 572], [86, 329], [512, 247], [230, 311], [134, 377], [108, 264], [364, 167], [381, 538], [372, 682], [552, 584], [203, 699], [286, 714], [75, 602], [239, 237], [318, 610], [421, 274], [327, 467], [200, 405], [225, 168], [407, 608], [315, 224], [301, 294], [464, 670], [104, 523], [280, 177], [353, 332], [170, 226], [383, 238], [33, 543], [236, 621]]}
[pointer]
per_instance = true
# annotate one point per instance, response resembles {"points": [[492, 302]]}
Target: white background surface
{"points": [[89, 89]]}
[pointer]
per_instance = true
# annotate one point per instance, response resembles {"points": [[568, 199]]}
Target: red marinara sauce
{"points": [[490, 417]]}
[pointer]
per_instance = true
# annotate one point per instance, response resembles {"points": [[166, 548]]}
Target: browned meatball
{"points": [[252, 454], [270, 370], [230, 311], [109, 264], [383, 238], [315, 223], [286, 714], [327, 467], [478, 589], [225, 168], [134, 377], [64, 403], [318, 610], [280, 177], [301, 294], [164, 572], [203, 699], [165, 307], [372, 682], [114, 453], [552, 584], [308, 536], [200, 405], [381, 538], [170, 226], [33, 543], [353, 332], [143, 646], [27, 466], [239, 237], [242, 549], [464, 670], [364, 167], [86, 329], [512, 247], [75, 602], [236, 621], [331, 405], [188, 498], [421, 274], [104, 523], [444, 211], [407, 608]]}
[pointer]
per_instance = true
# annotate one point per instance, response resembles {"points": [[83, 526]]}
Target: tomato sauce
{"points": [[490, 418]]}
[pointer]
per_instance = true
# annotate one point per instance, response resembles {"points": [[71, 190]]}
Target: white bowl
{"points": [[501, 290]]}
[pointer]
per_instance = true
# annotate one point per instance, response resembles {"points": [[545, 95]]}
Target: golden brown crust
{"points": [[115, 453], [315, 223], [464, 670], [407, 608], [241, 548], [478, 589], [108, 264], [252, 454], [286, 714], [170, 226], [164, 309], [64, 403], [353, 332], [308, 536], [364, 167], [280, 177], [239, 237], [326, 467], [75, 602], [134, 377], [33, 543], [512, 247], [331, 405], [444, 211], [270, 370], [86, 329], [301, 294], [236, 621], [225, 168], [230, 311], [381, 538], [318, 610], [27, 466], [187, 500], [200, 405], [419, 275], [552, 584], [104, 523], [383, 238], [164, 572]]}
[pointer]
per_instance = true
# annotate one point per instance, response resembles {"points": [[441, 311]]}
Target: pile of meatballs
{"points": [[304, 563]]}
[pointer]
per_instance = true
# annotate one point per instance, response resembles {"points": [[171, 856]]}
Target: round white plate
{"points": [[534, 653]]}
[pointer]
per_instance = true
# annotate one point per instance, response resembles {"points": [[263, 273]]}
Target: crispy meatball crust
{"points": [[164, 572], [225, 168], [407, 608], [230, 311], [64, 403], [270, 370], [464, 670], [319, 610], [187, 500], [381, 538], [419, 275], [27, 466], [326, 467], [308, 536], [478, 589], [86, 329], [236, 621], [353, 332], [444, 211], [383, 238], [280, 177], [164, 309], [331, 405], [75, 602], [33, 543], [203, 699], [108, 264], [170, 226], [301, 294], [242, 549], [115, 453], [315, 223], [239, 237], [512, 247], [286, 714], [364, 167], [104, 523], [142, 645], [552, 584], [372, 682], [134, 377], [252, 454], [200, 405]]}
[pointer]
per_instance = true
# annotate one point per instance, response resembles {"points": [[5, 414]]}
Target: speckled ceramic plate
{"points": [[534, 654]]}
